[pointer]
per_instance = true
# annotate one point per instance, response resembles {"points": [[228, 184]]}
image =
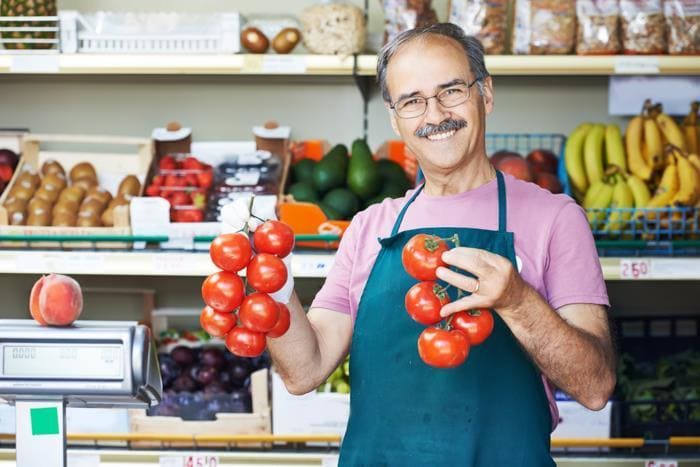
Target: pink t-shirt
{"points": [[552, 240]]}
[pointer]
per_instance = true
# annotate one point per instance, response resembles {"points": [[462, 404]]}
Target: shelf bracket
{"points": [[364, 85]]}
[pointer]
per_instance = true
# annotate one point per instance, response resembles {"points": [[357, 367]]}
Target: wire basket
{"points": [[649, 224], [29, 34]]}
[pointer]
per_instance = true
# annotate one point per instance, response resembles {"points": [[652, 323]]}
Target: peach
{"points": [[549, 182], [498, 156], [517, 167], [60, 300], [543, 160]]}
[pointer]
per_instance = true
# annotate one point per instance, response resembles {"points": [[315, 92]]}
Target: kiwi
{"points": [[48, 195], [83, 170], [72, 193], [51, 166], [85, 183], [41, 219], [129, 186], [64, 219], [88, 219], [54, 181], [65, 207]]}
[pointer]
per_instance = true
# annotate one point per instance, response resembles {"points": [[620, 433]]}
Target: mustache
{"points": [[450, 124]]}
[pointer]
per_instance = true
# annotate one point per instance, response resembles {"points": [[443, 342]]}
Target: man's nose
{"points": [[435, 113]]}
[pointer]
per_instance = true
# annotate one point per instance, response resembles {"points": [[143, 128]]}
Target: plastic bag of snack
{"points": [[598, 30], [402, 15], [544, 27], [643, 27], [485, 19], [333, 28], [683, 23]]}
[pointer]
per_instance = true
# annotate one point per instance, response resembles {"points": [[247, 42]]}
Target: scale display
{"points": [[75, 361]]}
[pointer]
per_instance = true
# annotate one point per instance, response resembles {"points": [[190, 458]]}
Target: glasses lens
{"points": [[410, 107], [453, 96]]}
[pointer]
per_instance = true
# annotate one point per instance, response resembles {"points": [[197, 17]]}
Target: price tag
{"points": [[34, 64], [252, 64], [660, 463], [193, 460], [284, 64], [312, 266], [633, 65], [635, 269]]}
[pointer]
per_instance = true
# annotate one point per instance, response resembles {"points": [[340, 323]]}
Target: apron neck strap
{"points": [[501, 205]]}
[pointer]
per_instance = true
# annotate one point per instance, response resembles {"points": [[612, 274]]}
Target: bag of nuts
{"points": [[402, 15], [683, 23], [598, 27], [484, 19], [643, 27], [544, 27], [333, 28]]}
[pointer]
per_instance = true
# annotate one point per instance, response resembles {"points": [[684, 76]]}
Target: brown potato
{"points": [[38, 205], [83, 170], [85, 183], [54, 181], [16, 210], [43, 219], [28, 179], [130, 186], [285, 40], [51, 166], [48, 195], [21, 192], [99, 194], [88, 220], [67, 206], [92, 206], [108, 216], [254, 40], [64, 219], [74, 193]]}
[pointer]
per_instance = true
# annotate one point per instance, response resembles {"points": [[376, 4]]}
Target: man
{"points": [[535, 264]]}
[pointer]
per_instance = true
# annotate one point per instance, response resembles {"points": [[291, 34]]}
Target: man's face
{"points": [[424, 67]]}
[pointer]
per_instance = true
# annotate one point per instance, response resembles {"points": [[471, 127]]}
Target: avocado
{"points": [[303, 192], [330, 213], [303, 171], [330, 172], [390, 170], [363, 175], [343, 201]]}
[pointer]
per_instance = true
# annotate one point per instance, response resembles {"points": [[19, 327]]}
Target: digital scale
{"points": [[92, 364]]}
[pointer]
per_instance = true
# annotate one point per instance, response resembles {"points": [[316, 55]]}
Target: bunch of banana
{"points": [[598, 198], [667, 189], [688, 180], [670, 130], [691, 128], [643, 144], [621, 206], [573, 160]]}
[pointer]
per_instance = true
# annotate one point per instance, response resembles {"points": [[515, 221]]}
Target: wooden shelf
{"points": [[329, 65]]}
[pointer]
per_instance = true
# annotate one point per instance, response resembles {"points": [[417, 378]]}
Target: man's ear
{"points": [[488, 95], [392, 118]]}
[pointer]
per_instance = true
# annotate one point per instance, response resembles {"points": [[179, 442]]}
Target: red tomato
{"points": [[266, 273], [231, 252], [283, 322], [245, 343], [259, 312], [422, 255], [274, 237], [475, 324], [216, 324], [443, 349], [424, 301], [223, 291]]}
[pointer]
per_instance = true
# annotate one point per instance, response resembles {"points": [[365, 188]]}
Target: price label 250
{"points": [[195, 460], [635, 269]]}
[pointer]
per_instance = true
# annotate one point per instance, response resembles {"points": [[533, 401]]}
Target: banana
{"points": [[600, 199], [593, 154], [670, 129], [691, 130], [695, 160], [688, 182], [668, 186], [614, 148], [573, 158], [653, 143], [640, 191], [633, 145], [622, 202]]}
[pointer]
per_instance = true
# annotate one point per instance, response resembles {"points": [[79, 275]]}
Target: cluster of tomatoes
{"points": [[446, 345], [245, 317]]}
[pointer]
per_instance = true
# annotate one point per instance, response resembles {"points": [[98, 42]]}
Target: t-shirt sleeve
{"points": [[573, 273], [335, 292]]}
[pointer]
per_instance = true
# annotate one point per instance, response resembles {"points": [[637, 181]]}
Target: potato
{"points": [[64, 219], [285, 40], [38, 205], [16, 210], [85, 183], [20, 191], [129, 186], [65, 207], [28, 179], [108, 216], [51, 166], [254, 40], [48, 195], [88, 220], [74, 193], [83, 170], [99, 194], [42, 219], [93, 206], [54, 181]]}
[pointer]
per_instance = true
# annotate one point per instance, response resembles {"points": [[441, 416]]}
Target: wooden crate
{"points": [[256, 423], [110, 167]]}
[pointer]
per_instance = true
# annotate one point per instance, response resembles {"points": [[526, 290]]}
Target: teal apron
{"points": [[490, 411]]}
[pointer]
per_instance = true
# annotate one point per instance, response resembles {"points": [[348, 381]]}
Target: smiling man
{"points": [[550, 303]]}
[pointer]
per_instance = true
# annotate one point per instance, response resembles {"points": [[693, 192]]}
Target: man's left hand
{"points": [[497, 284]]}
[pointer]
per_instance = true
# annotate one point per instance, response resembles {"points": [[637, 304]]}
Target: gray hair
{"points": [[471, 45]]}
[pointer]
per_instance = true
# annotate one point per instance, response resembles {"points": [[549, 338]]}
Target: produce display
{"points": [[339, 380], [342, 186], [627, 182], [8, 164], [244, 314], [446, 345], [201, 380], [24, 8], [56, 300], [52, 198], [539, 166]]}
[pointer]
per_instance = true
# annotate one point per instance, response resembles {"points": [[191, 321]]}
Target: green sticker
{"points": [[44, 421]]}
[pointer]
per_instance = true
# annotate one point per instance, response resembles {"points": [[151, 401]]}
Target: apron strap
{"points": [[399, 219], [501, 201]]}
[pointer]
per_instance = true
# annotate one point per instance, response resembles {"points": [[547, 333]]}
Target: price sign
{"points": [[635, 269], [660, 463], [634, 65], [193, 460]]}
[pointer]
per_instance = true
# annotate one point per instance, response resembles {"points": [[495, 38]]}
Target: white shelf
{"points": [[319, 65], [304, 264]]}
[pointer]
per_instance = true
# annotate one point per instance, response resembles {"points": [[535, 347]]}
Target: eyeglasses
{"points": [[415, 106]]}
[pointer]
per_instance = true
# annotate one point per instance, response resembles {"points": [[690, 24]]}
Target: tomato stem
{"points": [[448, 323]]}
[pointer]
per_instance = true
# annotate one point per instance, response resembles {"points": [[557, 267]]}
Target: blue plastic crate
{"points": [[648, 224]]}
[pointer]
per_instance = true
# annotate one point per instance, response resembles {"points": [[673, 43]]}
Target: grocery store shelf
{"points": [[318, 65], [305, 264]]}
